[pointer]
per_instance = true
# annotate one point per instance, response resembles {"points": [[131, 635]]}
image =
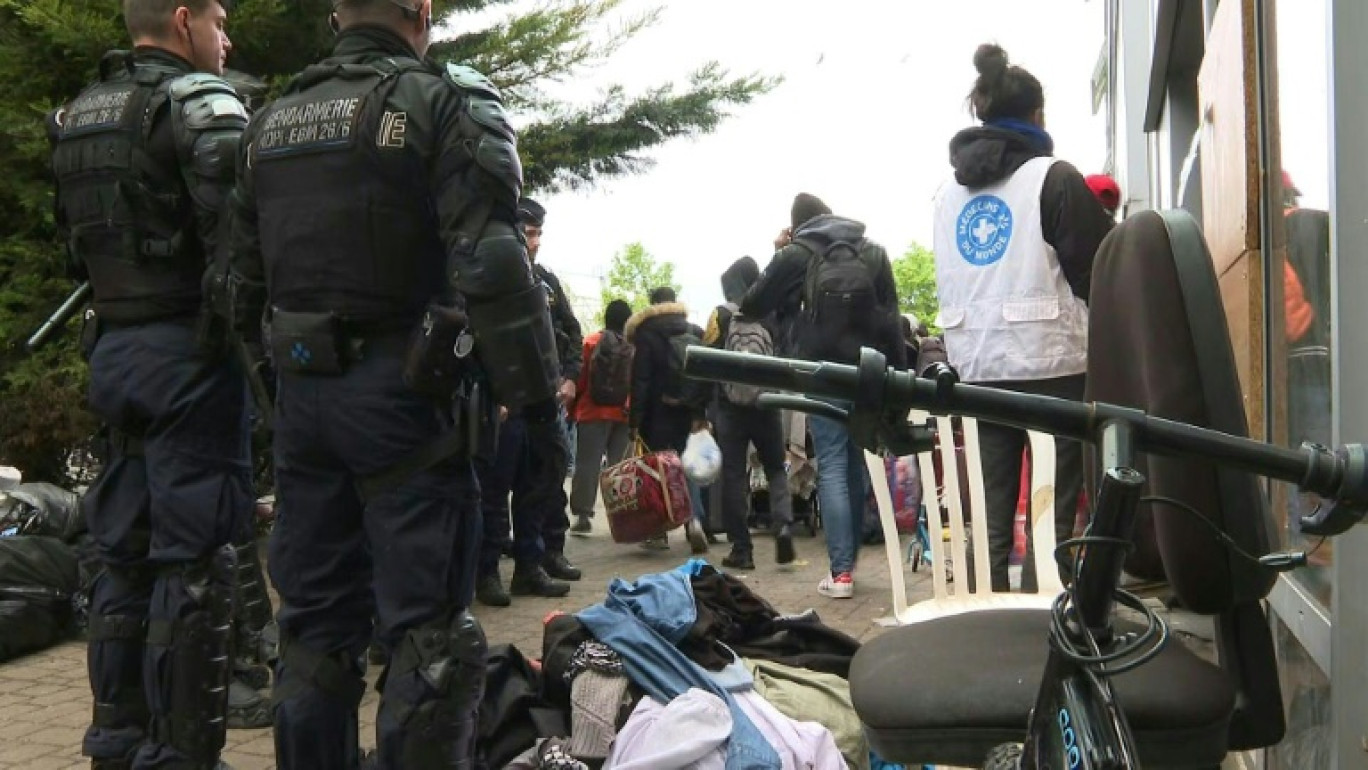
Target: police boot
{"points": [[191, 719], [559, 567], [489, 590], [443, 664], [530, 579]]}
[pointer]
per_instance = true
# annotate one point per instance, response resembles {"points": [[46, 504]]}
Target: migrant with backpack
{"points": [[741, 423], [832, 292], [666, 406], [600, 410]]}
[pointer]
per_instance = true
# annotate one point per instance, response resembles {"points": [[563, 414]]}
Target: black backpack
{"points": [[840, 304], [681, 390], [610, 370]]}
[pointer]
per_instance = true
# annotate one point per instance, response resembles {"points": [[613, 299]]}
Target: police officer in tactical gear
{"points": [[143, 160], [374, 223], [531, 462]]}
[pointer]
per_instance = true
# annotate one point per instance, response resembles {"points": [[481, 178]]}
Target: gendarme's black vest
{"points": [[345, 227], [125, 215]]}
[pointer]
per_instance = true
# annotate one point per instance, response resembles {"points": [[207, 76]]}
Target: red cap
{"points": [[1106, 190], [1288, 185]]}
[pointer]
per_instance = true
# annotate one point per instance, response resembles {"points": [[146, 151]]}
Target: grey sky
{"points": [[874, 90]]}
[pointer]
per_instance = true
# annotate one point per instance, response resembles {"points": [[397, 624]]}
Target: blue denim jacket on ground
{"points": [[643, 621]]}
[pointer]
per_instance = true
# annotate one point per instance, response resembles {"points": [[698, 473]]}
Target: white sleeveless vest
{"points": [[1007, 311]]}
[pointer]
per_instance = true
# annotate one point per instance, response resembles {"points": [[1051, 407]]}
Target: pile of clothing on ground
{"points": [[47, 562], [680, 669]]}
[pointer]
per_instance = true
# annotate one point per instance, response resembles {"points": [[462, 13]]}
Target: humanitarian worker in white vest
{"points": [[1015, 235]]}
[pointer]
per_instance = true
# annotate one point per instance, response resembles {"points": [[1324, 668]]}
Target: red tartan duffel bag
{"points": [[645, 496]]}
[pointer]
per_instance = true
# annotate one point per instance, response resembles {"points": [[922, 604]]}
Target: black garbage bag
{"points": [[42, 509], [512, 713], [38, 578]]}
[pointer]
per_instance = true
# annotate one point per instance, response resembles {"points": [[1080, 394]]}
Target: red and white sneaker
{"points": [[841, 586]]}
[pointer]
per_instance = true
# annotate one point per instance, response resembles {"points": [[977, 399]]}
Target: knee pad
{"points": [[201, 659], [448, 656]]}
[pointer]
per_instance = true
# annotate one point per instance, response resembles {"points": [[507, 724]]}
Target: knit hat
{"points": [[1106, 190], [806, 207], [615, 315], [595, 699]]}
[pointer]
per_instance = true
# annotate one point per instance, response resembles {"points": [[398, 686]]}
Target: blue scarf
{"points": [[1038, 137]]}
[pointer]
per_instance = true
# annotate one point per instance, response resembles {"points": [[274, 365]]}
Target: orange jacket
{"points": [[585, 409], [1297, 312]]}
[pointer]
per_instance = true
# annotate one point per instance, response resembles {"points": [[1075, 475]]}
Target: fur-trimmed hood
{"points": [[655, 311]]}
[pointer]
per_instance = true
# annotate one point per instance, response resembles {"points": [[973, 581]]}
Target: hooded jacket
{"points": [[779, 292], [1074, 223], [660, 425], [736, 281]]}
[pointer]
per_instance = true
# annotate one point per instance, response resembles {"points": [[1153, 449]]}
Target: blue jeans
{"points": [[700, 514], [841, 490]]}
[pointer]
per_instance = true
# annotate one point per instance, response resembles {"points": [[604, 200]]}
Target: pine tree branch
{"points": [[580, 148]]}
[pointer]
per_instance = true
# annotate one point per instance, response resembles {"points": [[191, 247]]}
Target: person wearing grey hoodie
{"points": [[741, 424], [842, 481]]}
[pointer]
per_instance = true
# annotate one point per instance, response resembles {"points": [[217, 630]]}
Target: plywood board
{"points": [[1242, 294], [1228, 94]]}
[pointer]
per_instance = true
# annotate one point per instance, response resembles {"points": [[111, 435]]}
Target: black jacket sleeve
{"points": [[710, 388], [246, 264], [643, 361], [1074, 224], [780, 286], [569, 335]]}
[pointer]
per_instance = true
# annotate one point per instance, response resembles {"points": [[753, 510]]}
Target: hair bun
{"points": [[990, 61]]}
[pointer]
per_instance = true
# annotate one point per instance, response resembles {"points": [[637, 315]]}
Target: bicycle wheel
{"points": [[1004, 757]]}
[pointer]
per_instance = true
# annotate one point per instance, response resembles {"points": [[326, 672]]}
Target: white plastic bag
{"points": [[702, 458]]}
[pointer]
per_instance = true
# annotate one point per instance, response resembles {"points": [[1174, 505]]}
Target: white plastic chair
{"points": [[955, 598]]}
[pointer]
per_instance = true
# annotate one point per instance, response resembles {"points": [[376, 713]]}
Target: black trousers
{"points": [[737, 428], [1000, 449]]}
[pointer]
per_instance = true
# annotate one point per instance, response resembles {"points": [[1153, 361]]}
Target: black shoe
{"points": [[583, 525], [738, 560], [559, 567], [698, 542], [532, 580], [489, 590], [783, 546], [658, 543]]}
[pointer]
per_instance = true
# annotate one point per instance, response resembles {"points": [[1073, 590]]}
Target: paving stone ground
{"points": [[45, 698]]}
